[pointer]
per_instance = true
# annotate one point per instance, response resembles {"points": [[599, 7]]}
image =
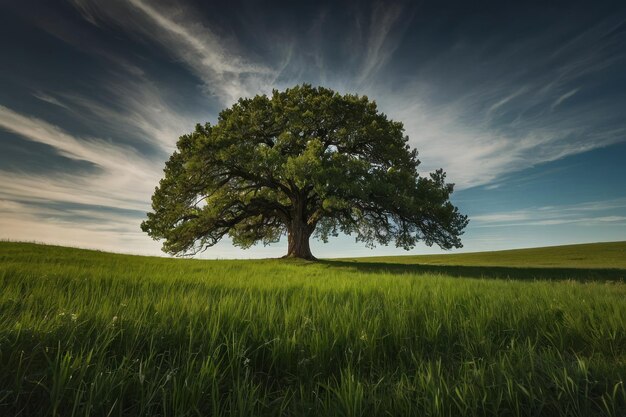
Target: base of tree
{"points": [[298, 242], [303, 257]]}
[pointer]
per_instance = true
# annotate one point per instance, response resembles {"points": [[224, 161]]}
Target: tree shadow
{"points": [[490, 272]]}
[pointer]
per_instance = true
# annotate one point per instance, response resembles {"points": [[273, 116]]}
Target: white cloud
{"points": [[564, 97], [135, 108], [582, 214], [123, 178], [461, 136], [505, 100], [104, 154], [49, 99], [380, 46], [470, 154], [184, 36]]}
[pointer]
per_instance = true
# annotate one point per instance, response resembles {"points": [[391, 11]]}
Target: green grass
{"points": [[589, 255], [90, 333]]}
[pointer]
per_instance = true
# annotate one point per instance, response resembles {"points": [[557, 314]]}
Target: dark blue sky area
{"points": [[522, 103]]}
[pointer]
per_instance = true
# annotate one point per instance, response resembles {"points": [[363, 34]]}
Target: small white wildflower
{"points": [[74, 316], [142, 376]]}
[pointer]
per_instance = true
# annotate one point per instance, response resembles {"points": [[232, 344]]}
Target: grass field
{"points": [[535, 333], [588, 255]]}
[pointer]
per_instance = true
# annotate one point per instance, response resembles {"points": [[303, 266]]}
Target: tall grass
{"points": [[86, 333]]}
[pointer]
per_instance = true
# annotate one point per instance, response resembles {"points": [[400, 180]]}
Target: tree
{"points": [[307, 161]]}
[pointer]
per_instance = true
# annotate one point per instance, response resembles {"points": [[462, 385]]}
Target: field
{"points": [[588, 255], [535, 333]]}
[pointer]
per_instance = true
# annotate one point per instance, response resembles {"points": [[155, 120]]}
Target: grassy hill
{"points": [[91, 333], [588, 255]]}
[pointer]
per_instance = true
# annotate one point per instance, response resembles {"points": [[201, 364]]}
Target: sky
{"points": [[523, 104]]}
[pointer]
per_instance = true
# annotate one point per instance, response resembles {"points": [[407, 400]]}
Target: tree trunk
{"points": [[298, 237]]}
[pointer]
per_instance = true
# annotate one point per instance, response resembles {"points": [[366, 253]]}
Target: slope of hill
{"points": [[588, 255]]}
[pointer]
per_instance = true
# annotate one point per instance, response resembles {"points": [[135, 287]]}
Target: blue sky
{"points": [[523, 104]]}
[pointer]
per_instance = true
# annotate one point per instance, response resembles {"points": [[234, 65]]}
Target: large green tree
{"points": [[304, 162]]}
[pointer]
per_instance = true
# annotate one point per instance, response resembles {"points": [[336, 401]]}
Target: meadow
{"points": [[86, 333]]}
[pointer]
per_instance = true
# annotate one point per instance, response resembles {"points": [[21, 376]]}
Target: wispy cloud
{"points": [[386, 18], [480, 124], [582, 214], [104, 154], [123, 178], [505, 100], [49, 99], [564, 97], [476, 154], [184, 36], [136, 109]]}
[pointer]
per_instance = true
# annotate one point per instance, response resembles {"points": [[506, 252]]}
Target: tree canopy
{"points": [[304, 162]]}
